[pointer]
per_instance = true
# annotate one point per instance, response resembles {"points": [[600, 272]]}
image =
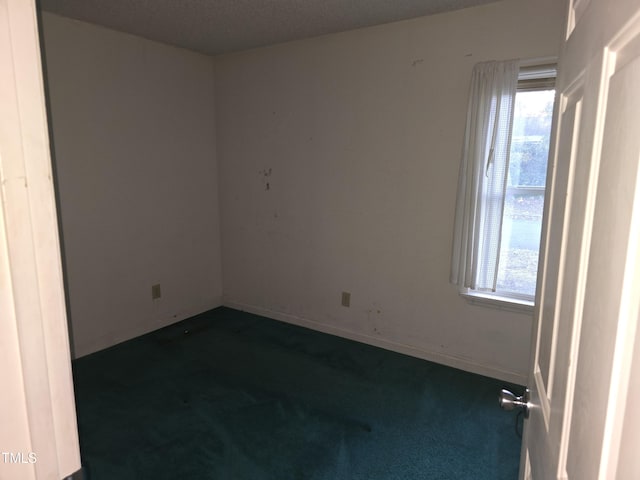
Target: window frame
{"points": [[531, 78]]}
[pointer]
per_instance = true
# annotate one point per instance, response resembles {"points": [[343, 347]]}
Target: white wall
{"points": [[338, 161], [133, 127]]}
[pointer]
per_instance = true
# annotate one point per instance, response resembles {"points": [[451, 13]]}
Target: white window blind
{"points": [[482, 180]]}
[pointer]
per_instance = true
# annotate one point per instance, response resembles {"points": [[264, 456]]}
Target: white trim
{"points": [[498, 301], [525, 189], [536, 72], [140, 328], [538, 61], [36, 367], [413, 351]]}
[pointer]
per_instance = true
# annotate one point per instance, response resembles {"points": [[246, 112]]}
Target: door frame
{"points": [[37, 408]]}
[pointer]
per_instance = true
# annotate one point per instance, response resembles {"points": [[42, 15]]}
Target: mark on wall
{"points": [[374, 319], [266, 173], [416, 62]]}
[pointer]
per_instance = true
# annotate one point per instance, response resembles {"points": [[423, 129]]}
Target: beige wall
{"points": [[133, 128], [338, 161]]}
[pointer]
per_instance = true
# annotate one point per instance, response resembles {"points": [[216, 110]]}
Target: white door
{"points": [[589, 282], [38, 432]]}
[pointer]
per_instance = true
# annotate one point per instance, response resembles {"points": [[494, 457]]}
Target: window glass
{"points": [[524, 201]]}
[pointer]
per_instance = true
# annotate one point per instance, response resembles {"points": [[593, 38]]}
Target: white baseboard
{"points": [[436, 357], [138, 329]]}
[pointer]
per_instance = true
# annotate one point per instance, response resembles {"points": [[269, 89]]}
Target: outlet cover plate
{"points": [[346, 299]]}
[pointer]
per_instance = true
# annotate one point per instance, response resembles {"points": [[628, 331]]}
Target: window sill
{"points": [[497, 301]]}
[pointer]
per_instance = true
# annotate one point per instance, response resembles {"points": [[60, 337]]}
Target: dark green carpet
{"points": [[229, 395]]}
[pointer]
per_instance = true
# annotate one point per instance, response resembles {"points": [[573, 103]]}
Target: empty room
{"points": [[323, 240]]}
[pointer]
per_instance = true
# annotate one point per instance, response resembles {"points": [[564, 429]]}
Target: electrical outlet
{"points": [[155, 291], [346, 299]]}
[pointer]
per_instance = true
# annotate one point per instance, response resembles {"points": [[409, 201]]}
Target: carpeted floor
{"points": [[229, 395]]}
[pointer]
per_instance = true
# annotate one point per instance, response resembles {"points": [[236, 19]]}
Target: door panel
{"points": [[589, 290], [628, 465], [605, 303], [570, 291], [571, 108], [566, 211]]}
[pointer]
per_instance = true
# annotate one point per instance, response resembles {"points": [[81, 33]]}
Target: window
{"points": [[502, 182], [524, 199]]}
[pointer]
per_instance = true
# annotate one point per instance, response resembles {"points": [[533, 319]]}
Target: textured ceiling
{"points": [[218, 26]]}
